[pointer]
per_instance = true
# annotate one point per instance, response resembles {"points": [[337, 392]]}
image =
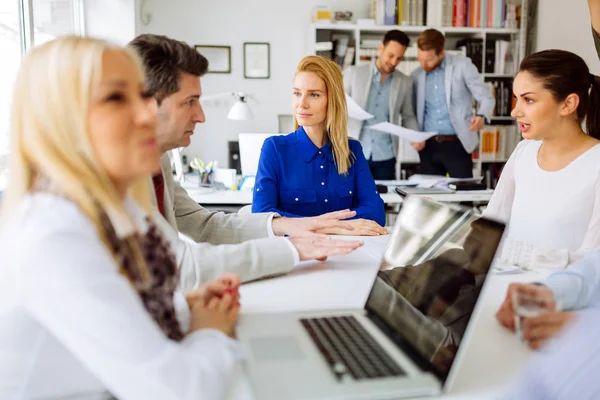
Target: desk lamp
{"points": [[240, 110]]}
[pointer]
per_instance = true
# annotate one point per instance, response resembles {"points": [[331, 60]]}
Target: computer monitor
{"points": [[250, 146]]}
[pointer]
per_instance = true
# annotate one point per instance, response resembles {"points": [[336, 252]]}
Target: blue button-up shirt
{"points": [[377, 146], [437, 116], [295, 178]]}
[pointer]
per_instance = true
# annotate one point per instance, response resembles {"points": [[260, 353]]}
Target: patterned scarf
{"points": [[157, 290]]}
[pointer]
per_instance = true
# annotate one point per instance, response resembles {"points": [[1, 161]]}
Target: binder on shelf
{"points": [[389, 14]]}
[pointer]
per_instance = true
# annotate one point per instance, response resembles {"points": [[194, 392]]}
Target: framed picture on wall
{"points": [[257, 60], [219, 58]]}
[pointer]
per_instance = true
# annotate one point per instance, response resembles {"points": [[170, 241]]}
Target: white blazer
{"points": [[72, 326]]}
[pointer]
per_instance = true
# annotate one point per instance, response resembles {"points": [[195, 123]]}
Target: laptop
{"points": [[407, 340]]}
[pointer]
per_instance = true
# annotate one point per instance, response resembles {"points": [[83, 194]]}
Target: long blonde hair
{"points": [[49, 130], [336, 121]]}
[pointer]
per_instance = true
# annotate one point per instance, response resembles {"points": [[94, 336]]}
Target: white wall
{"points": [[282, 23], [565, 25], [112, 20]]}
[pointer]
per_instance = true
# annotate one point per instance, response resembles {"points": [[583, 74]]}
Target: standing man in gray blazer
{"points": [[245, 245], [444, 87], [387, 94]]}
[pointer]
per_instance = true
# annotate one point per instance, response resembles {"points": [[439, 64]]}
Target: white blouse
{"points": [[71, 326], [553, 217]]}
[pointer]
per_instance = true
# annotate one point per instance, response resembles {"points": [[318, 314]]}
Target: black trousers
{"points": [[445, 155], [383, 170]]}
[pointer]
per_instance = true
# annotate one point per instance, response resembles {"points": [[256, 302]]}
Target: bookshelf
{"points": [[353, 44]]}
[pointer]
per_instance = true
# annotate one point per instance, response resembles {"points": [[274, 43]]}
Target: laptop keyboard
{"points": [[349, 349]]}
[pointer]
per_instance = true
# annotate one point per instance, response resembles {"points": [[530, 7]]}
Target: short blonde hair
{"points": [[336, 121], [49, 129]]}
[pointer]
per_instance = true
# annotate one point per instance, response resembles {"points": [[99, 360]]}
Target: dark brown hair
{"points": [[396, 36], [431, 39], [164, 59], [562, 73]]}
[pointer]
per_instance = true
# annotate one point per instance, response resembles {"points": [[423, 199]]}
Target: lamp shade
{"points": [[240, 110]]}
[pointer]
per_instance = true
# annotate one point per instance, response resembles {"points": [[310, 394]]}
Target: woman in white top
{"points": [[549, 190], [88, 306]]}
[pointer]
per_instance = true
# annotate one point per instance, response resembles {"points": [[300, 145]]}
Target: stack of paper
{"points": [[438, 180]]}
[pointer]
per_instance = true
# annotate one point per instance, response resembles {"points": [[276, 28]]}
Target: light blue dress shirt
{"points": [[377, 146], [568, 368], [295, 178], [436, 117], [578, 285]]}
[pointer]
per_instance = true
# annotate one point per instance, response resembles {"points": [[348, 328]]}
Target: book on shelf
{"points": [[458, 13], [501, 57], [498, 142], [343, 49], [501, 89], [372, 8], [336, 46], [472, 48], [324, 46], [348, 58], [389, 12]]}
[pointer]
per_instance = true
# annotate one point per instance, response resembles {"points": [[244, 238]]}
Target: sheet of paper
{"points": [[355, 111], [438, 180], [409, 134], [395, 183]]}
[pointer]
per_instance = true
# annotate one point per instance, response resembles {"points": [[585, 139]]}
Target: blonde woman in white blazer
{"points": [[88, 299]]}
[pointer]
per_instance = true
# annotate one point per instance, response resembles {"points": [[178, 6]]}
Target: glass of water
{"points": [[527, 305]]}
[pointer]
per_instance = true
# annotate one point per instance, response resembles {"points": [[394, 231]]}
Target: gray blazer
{"points": [[357, 84], [225, 242], [463, 83]]}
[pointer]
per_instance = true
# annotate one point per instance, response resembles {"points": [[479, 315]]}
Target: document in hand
{"points": [[355, 111], [409, 134]]}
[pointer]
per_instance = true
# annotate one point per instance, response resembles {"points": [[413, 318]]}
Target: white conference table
{"points": [[493, 355], [208, 196]]}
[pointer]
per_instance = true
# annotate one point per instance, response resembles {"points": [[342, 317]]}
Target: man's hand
{"points": [[477, 124], [537, 331], [319, 248], [362, 227], [506, 313], [226, 283], [310, 225], [418, 146]]}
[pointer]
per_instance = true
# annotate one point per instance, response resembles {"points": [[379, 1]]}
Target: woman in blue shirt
{"points": [[317, 169]]}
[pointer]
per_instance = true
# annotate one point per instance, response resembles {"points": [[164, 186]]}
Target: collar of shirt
{"points": [[441, 67], [377, 74], [134, 220], [308, 150]]}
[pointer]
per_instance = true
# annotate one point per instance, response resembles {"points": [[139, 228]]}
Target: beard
{"points": [[430, 69]]}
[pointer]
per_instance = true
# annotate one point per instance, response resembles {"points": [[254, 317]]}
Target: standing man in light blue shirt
{"points": [[444, 88], [387, 94]]}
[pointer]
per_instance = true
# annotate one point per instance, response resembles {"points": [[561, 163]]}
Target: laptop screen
{"points": [[430, 278]]}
